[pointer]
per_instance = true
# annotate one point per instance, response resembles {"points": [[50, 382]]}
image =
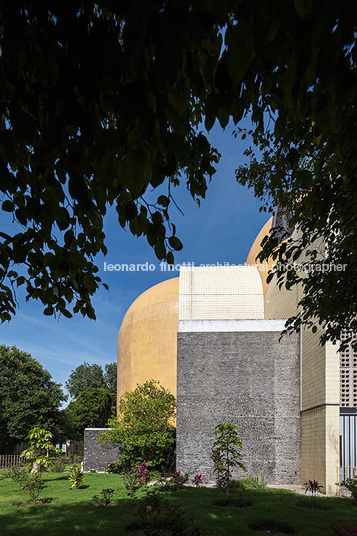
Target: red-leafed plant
{"points": [[143, 474], [344, 531], [197, 480], [313, 487]]}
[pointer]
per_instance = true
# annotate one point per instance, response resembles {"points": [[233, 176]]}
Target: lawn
{"points": [[72, 512]]}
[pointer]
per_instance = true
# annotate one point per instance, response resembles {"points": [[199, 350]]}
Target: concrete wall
{"points": [[249, 379], [95, 457], [320, 384]]}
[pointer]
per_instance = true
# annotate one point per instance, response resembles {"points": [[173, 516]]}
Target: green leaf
{"points": [[163, 201], [303, 8], [160, 249], [175, 243], [8, 206]]}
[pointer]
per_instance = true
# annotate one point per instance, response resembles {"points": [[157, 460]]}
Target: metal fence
{"points": [[9, 460]]}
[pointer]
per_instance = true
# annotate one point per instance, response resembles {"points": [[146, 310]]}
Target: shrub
{"points": [[105, 497], [58, 466], [33, 484], [18, 474], [351, 485], [174, 481], [155, 515], [144, 429], [115, 467], [257, 481], [130, 478], [76, 477]]}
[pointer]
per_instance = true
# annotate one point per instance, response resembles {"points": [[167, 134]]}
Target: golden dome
{"points": [[265, 266], [147, 341]]}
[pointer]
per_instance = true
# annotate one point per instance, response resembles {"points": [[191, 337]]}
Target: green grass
{"points": [[72, 512]]}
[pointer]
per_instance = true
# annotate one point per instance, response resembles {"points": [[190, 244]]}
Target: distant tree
{"points": [[83, 377], [110, 377], [28, 397], [91, 409], [144, 425]]}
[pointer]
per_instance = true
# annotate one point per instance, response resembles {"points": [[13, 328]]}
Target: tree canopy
{"points": [[87, 376], [28, 397], [102, 100], [91, 409], [144, 425]]}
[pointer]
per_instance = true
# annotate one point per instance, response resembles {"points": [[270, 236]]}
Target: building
{"points": [[212, 337]]}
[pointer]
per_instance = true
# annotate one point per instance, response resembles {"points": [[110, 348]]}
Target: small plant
{"points": [[33, 485], [197, 480], [40, 447], [313, 487], [115, 467], [344, 531], [105, 497], [18, 474], [76, 477], [175, 481], [257, 481], [351, 485], [143, 474], [130, 479], [225, 455], [155, 515], [58, 466]]}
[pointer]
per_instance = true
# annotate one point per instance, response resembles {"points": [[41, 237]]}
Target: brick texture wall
{"points": [[249, 379], [94, 455]]}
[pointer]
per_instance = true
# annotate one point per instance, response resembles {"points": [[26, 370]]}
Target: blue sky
{"points": [[221, 230]]}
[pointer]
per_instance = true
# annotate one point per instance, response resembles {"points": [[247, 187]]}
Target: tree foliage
{"points": [[101, 101], [144, 426], [40, 448], [87, 376], [91, 409], [28, 397], [226, 454]]}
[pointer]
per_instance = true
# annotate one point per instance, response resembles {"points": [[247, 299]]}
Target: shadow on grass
{"points": [[79, 518]]}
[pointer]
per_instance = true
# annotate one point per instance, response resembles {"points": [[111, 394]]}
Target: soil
{"points": [[30, 503]]}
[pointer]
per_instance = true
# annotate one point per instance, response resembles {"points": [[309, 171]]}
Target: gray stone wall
{"points": [[95, 457], [249, 379]]}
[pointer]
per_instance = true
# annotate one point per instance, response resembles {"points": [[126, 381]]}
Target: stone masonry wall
{"points": [[249, 379], [94, 455]]}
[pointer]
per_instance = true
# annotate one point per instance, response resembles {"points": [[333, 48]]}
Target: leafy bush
{"points": [[155, 515], [144, 429], [76, 477], [115, 467], [104, 498], [351, 485], [58, 466], [33, 484], [256, 481], [18, 474], [130, 478], [174, 481]]}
